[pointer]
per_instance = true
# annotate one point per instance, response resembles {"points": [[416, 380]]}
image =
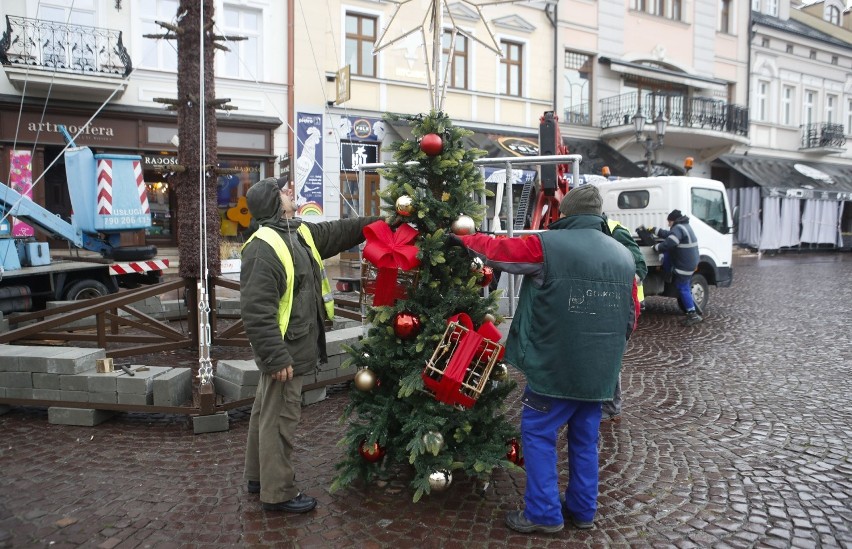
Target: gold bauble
{"points": [[463, 225], [440, 480], [404, 205], [500, 373], [365, 380], [433, 439]]}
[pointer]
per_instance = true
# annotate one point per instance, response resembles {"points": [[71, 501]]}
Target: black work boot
{"points": [[692, 318]]}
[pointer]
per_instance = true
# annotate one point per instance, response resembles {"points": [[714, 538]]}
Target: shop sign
{"points": [[160, 161], [353, 155], [101, 131]]}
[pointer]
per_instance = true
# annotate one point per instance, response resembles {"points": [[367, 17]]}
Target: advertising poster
{"points": [[21, 180], [308, 164]]}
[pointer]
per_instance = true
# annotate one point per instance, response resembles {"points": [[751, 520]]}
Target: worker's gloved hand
{"points": [[453, 240], [652, 230]]}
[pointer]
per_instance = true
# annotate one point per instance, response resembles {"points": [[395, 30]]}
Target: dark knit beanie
{"points": [[675, 215], [582, 200]]}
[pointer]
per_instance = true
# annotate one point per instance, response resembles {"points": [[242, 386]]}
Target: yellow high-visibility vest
{"points": [[640, 290], [274, 239]]}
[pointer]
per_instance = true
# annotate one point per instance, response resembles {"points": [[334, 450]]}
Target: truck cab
{"points": [[647, 201]]}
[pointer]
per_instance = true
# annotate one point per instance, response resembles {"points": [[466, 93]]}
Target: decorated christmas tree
{"points": [[429, 386]]}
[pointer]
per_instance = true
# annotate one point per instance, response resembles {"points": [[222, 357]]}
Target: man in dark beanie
{"points": [[680, 249], [285, 299], [577, 308]]}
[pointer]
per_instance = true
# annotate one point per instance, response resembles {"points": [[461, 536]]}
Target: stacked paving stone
{"points": [[238, 379], [69, 374]]}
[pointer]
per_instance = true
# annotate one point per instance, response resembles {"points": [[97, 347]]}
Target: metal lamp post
{"points": [[650, 144]]}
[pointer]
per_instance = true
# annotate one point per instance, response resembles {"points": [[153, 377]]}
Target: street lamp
{"points": [[649, 143]]}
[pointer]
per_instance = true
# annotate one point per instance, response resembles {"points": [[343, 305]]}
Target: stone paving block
{"points": [[105, 382], [334, 362], [313, 396], [34, 358], [83, 417], [4, 325], [238, 372], [74, 361], [75, 382], [336, 338], [213, 423], [46, 381], [142, 382], [17, 392], [149, 306], [232, 391], [47, 394], [16, 379], [104, 398], [74, 396], [136, 400], [173, 388], [9, 358], [325, 375]]}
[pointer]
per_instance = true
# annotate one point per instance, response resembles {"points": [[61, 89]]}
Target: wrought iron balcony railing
{"points": [[578, 115], [823, 134], [56, 46], [681, 111]]}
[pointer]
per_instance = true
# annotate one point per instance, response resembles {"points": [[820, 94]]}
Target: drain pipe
{"points": [[554, 20]]}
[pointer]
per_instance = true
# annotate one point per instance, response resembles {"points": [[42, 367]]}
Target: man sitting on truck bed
{"points": [[681, 258]]}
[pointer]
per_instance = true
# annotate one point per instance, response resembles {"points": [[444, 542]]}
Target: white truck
{"points": [[647, 201]]}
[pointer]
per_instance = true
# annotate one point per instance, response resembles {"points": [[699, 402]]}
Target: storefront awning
{"points": [[664, 75], [794, 178], [596, 154]]}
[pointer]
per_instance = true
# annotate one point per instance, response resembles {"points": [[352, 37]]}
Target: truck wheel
{"points": [[85, 289], [700, 293]]}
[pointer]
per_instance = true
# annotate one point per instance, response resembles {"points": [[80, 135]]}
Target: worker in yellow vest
{"points": [[285, 299], [611, 409]]}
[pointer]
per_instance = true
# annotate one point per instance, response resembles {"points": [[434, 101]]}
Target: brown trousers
{"points": [[274, 417]]}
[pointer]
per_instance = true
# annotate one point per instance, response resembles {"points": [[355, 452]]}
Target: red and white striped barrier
{"points": [[141, 188], [138, 266], [104, 187]]}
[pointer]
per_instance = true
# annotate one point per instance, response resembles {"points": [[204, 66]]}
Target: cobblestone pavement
{"points": [[735, 433]]}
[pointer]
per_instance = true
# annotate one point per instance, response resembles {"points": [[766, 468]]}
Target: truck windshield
{"points": [[708, 205]]}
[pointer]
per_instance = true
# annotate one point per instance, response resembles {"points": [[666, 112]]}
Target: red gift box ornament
{"points": [[389, 251], [459, 368]]}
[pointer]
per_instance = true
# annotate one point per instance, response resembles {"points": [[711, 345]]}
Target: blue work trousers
{"points": [[541, 420], [681, 282]]}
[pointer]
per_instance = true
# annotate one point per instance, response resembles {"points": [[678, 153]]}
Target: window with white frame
{"points": [[243, 61], [787, 96], [772, 7], [808, 106], [849, 117], [755, 5], [157, 54], [725, 14], [677, 10], [762, 101], [658, 7], [457, 72], [830, 106]]}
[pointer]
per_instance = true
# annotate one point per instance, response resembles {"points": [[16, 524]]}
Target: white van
{"points": [[647, 201]]}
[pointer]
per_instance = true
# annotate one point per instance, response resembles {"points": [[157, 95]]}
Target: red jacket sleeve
{"points": [[517, 255]]}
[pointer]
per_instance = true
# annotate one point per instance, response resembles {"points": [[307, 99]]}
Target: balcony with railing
{"points": [[70, 58], [577, 115], [696, 122], [823, 138]]}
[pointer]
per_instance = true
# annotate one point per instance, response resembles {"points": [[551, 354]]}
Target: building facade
{"points": [[87, 64]]}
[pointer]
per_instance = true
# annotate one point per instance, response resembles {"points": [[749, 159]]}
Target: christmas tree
{"points": [[396, 419]]}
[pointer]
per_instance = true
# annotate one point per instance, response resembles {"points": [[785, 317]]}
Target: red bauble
{"points": [[514, 453], [431, 144], [487, 276], [406, 325], [371, 452]]}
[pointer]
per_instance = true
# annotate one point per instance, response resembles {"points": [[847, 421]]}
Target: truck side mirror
{"points": [[736, 216]]}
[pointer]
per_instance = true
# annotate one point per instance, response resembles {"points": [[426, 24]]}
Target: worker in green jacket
{"points": [[285, 299]]}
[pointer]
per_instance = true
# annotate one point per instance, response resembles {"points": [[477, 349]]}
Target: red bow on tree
{"points": [[389, 251]]}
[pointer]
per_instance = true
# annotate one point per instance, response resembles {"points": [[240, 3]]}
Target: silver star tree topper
{"points": [[432, 20]]}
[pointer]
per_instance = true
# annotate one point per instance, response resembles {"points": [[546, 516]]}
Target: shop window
{"points": [[160, 202], [231, 197]]}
